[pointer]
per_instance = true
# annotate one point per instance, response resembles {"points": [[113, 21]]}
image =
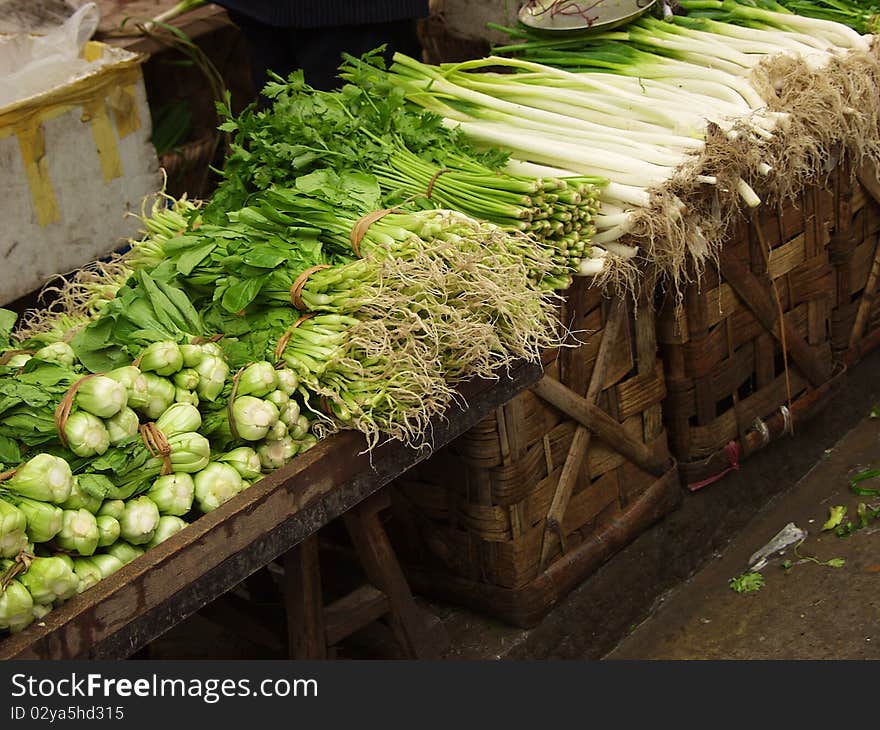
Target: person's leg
{"points": [[269, 48], [320, 50]]}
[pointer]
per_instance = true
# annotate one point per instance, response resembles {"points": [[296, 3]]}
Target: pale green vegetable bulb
{"points": [[258, 379], [106, 563], [192, 355], [173, 494], [300, 428], [16, 607], [277, 432], [160, 395], [112, 507], [212, 349], [190, 452], [86, 434], [186, 396], [80, 499], [87, 573], [287, 380], [213, 372], [44, 520], [289, 415], [245, 461], [13, 526], [179, 418], [18, 361], [65, 558], [108, 530], [101, 396], [123, 427], [124, 552], [58, 352], [139, 521], [49, 580], [253, 417], [188, 379], [168, 526], [162, 358], [279, 399], [307, 442], [79, 532], [135, 384], [41, 611], [275, 454], [45, 478], [215, 484]]}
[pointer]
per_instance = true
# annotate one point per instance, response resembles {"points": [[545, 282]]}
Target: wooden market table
{"points": [[169, 583]]}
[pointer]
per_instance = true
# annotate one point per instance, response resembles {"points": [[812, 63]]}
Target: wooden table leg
{"points": [[384, 571], [303, 601]]}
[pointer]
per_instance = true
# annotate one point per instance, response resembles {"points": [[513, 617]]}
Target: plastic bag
{"points": [[32, 64], [35, 16]]}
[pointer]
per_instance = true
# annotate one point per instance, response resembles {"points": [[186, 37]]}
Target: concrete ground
{"points": [[666, 595]]}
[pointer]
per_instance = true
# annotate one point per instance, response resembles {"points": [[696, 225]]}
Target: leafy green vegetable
{"points": [[747, 582], [835, 517]]}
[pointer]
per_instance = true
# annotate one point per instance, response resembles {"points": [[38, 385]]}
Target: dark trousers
{"points": [[318, 51]]}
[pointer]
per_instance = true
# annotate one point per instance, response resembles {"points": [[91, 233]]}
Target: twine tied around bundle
{"points": [[62, 412], [285, 338], [300, 282], [20, 565], [157, 444]]}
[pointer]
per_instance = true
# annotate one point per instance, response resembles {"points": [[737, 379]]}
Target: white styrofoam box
{"points": [[75, 163]]}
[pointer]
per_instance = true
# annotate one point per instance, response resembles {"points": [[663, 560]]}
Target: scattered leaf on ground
{"points": [[747, 582], [835, 517]]}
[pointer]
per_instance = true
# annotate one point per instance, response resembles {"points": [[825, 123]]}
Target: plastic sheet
{"points": [[33, 64]]}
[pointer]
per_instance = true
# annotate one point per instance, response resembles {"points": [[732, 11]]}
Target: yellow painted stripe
{"points": [[123, 102], [32, 144], [95, 112]]}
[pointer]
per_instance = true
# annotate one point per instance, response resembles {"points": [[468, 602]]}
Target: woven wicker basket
{"points": [[731, 389], [855, 254], [522, 508]]}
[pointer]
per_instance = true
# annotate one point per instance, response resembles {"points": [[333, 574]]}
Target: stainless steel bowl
{"points": [[568, 16]]}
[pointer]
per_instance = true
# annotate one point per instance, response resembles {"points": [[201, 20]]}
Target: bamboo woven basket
{"points": [[731, 389], [855, 254], [521, 509]]}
